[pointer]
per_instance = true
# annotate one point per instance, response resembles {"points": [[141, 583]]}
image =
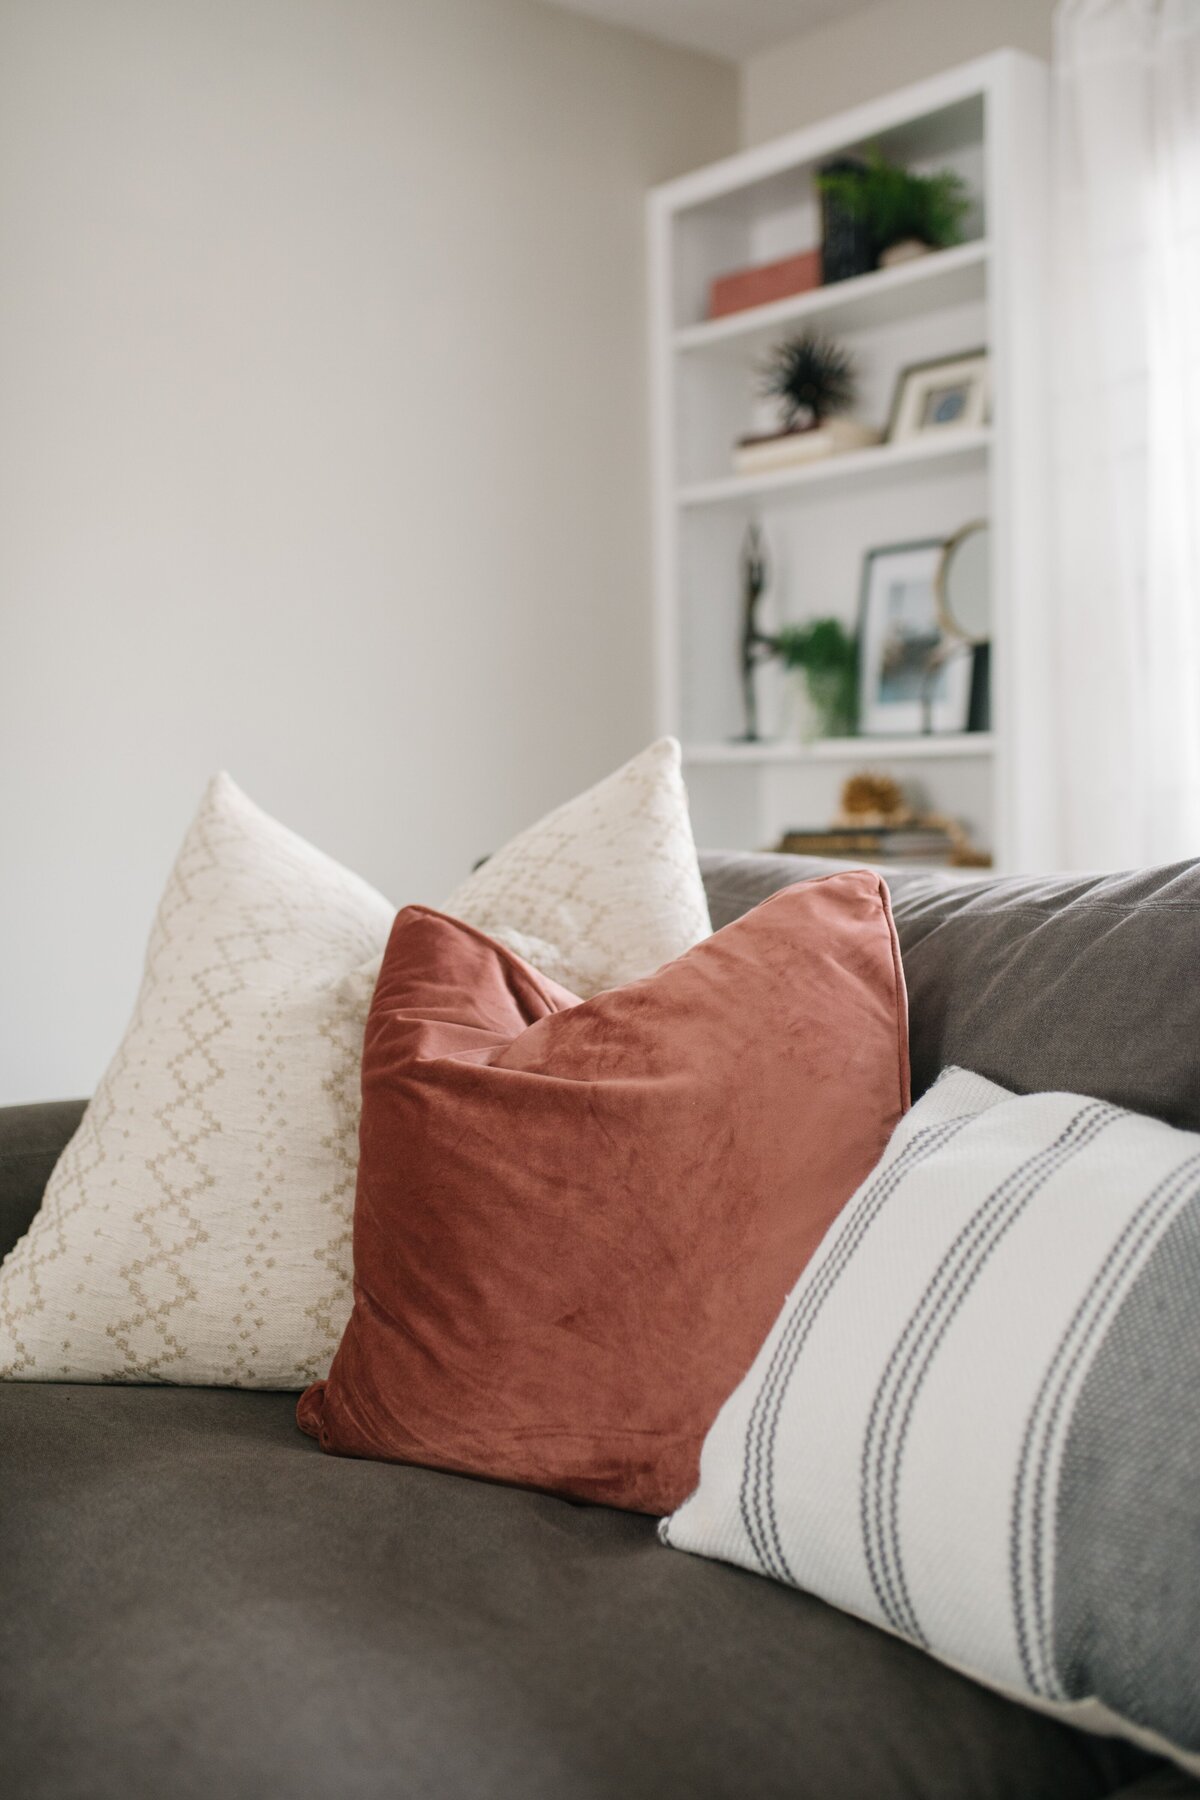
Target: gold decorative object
{"points": [[877, 822], [869, 799]]}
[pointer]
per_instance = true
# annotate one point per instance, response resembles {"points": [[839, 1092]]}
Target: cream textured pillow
{"points": [[605, 888], [197, 1227]]}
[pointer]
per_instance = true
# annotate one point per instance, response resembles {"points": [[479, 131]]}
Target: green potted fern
{"points": [[906, 215], [827, 656]]}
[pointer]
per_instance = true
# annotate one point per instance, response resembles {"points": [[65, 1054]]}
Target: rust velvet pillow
{"points": [[577, 1220]]}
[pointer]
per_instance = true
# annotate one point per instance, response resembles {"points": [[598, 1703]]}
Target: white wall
{"points": [[322, 445], [870, 52]]}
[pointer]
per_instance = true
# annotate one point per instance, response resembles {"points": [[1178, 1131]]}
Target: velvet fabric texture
{"points": [[576, 1221]]}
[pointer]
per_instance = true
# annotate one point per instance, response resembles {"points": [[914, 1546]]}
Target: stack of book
{"points": [[765, 282], [914, 843], [764, 452]]}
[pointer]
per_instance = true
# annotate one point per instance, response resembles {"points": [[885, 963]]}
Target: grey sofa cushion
{"points": [[197, 1602], [1089, 983], [32, 1138], [1162, 1784]]}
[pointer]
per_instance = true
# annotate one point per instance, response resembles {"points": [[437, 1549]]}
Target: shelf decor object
{"points": [[904, 214], [813, 381], [759, 285], [912, 674], [764, 453], [812, 378], [963, 586], [827, 656], [983, 127], [948, 394], [847, 247], [756, 646], [875, 821]]}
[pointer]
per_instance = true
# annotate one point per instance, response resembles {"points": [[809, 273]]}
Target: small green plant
{"points": [[813, 378], [828, 655], [894, 204]]}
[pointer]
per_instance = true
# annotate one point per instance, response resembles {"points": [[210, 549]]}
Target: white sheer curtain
{"points": [[1126, 587]]}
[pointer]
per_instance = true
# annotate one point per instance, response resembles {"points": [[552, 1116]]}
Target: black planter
{"points": [[847, 247]]}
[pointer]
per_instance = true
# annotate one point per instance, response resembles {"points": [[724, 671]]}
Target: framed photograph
{"points": [[948, 395], [912, 677]]}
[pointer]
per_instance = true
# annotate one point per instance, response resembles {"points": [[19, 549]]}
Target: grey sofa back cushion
{"points": [[1089, 983], [32, 1138]]}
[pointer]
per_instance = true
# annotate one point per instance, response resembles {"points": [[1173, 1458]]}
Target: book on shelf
{"points": [[762, 453], [764, 282], [877, 843]]}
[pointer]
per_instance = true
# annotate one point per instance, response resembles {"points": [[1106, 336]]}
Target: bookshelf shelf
{"points": [[947, 278], [847, 750], [883, 462]]}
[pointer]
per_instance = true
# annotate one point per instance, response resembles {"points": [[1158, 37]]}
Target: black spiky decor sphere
{"points": [[813, 377]]}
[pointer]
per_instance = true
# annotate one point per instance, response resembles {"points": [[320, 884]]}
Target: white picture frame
{"points": [[950, 394], [913, 679]]}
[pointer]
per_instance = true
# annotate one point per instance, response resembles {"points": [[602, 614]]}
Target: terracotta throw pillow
{"points": [[576, 1221]]}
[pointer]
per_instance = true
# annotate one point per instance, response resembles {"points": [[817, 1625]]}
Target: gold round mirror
{"points": [[963, 584]]}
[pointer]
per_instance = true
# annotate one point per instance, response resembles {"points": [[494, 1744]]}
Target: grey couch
{"points": [[196, 1602]]}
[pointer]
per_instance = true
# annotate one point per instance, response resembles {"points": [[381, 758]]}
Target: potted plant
{"points": [[813, 379], [828, 656], [846, 246], [906, 215]]}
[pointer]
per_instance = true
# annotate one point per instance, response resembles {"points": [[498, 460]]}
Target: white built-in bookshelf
{"points": [[989, 121]]}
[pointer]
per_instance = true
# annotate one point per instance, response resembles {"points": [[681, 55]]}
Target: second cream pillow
{"points": [[605, 888]]}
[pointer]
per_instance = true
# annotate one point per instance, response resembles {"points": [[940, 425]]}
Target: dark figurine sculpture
{"points": [[757, 646]]}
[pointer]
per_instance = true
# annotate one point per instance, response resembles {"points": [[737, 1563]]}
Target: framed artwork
{"points": [[913, 677], [950, 394]]}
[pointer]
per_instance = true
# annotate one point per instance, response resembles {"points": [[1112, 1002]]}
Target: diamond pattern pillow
{"points": [[604, 889], [197, 1228]]}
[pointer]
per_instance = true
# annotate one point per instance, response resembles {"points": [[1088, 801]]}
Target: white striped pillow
{"points": [[976, 1421]]}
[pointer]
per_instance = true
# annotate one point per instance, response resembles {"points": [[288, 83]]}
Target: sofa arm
{"points": [[32, 1138]]}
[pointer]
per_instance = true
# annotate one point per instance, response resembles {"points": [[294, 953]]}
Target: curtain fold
{"points": [[1126, 626]]}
